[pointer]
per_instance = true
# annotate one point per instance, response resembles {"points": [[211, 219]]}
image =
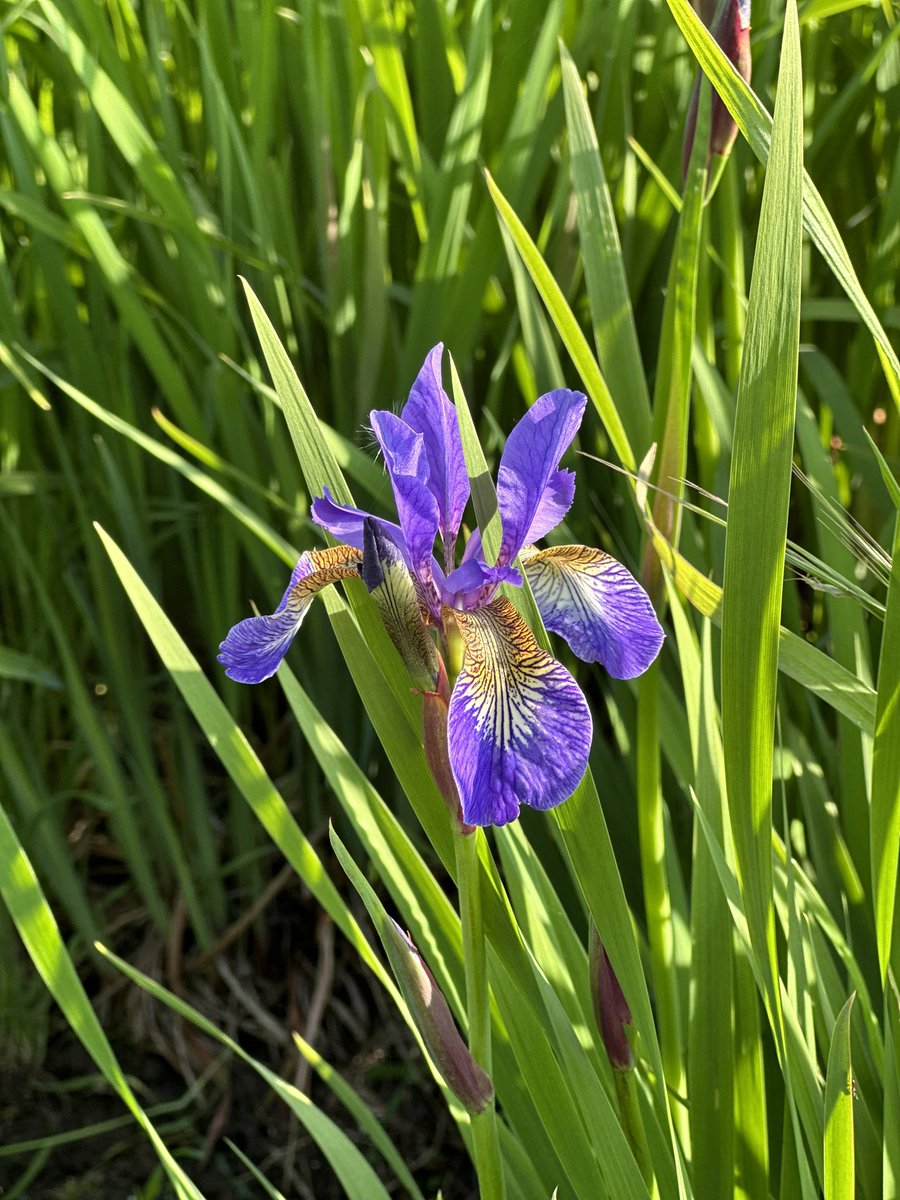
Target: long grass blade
{"points": [[614, 330], [757, 513], [840, 1167], [756, 125], [235, 752], [885, 810], [355, 1174], [25, 900]]}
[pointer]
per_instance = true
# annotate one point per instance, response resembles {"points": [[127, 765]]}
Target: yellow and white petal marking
{"points": [[519, 726], [316, 569], [255, 647], [597, 605]]}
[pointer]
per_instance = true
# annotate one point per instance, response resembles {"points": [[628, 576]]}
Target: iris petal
{"points": [[346, 523], [254, 648], [391, 586], [474, 582], [405, 459], [556, 500], [597, 605], [531, 492], [429, 412], [519, 726]]}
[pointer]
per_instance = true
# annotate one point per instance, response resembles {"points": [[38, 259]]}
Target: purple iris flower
{"points": [[518, 726]]}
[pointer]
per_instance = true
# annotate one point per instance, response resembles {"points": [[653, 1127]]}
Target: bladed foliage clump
{"points": [[692, 958]]}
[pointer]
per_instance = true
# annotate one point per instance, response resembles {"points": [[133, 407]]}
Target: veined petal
{"points": [[429, 412], [390, 585], [530, 489], [405, 459], [555, 502], [346, 523], [597, 605], [519, 726], [254, 648]]}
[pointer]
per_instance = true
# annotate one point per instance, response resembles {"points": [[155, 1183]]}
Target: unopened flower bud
{"points": [[434, 1021], [611, 1009], [732, 32], [391, 586]]}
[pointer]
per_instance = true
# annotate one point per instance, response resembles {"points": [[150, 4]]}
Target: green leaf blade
{"points": [[840, 1167], [885, 811], [756, 534]]}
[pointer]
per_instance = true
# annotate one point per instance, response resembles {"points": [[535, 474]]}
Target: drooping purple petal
{"points": [[598, 606], [519, 727], [404, 457], [346, 523], [530, 489], [254, 648], [429, 412]]}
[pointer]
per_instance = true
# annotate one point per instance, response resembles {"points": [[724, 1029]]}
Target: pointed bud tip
{"points": [[611, 1009]]}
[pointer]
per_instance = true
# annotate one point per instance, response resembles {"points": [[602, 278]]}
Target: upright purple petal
{"points": [[254, 648], [531, 492], [597, 605], [556, 500], [473, 547], [404, 457], [346, 523], [519, 726], [429, 412]]}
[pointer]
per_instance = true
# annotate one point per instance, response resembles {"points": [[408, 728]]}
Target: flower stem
{"points": [[657, 897], [484, 1124], [633, 1124]]}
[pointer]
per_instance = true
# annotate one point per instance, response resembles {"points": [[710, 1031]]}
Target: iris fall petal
{"points": [[254, 648], [519, 726], [597, 605]]}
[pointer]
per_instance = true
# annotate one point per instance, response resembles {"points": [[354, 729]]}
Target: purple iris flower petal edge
{"points": [[519, 729]]}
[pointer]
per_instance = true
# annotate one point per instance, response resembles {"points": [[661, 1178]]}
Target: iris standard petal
{"points": [[519, 727], [555, 502], [405, 459], [530, 489], [597, 605], [346, 523], [254, 648], [429, 412]]}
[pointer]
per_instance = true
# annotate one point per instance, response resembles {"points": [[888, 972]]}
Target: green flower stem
{"points": [[633, 1124], [657, 900], [484, 1124]]}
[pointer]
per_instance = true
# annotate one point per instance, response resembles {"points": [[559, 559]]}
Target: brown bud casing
{"points": [[732, 32], [435, 1023], [611, 1009]]}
